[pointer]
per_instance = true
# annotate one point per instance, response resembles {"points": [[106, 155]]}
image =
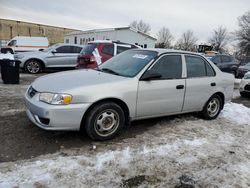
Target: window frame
{"points": [[183, 74], [205, 63]]}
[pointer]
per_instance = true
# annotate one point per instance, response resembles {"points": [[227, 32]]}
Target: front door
{"points": [[165, 95]]}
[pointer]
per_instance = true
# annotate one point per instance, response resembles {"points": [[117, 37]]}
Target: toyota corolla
{"points": [[136, 84]]}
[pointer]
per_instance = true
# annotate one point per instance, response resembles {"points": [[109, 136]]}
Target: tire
{"points": [[212, 108], [104, 121], [32, 66]]}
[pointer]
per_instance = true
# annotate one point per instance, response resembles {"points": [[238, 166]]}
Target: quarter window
{"points": [[169, 66], [108, 50]]}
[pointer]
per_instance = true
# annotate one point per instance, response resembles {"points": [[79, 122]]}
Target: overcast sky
{"points": [[200, 16]]}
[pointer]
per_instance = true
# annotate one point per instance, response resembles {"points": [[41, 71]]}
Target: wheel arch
{"points": [[221, 95], [37, 59], [119, 102]]}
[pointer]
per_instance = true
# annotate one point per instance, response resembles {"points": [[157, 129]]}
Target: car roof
{"points": [[162, 51], [67, 44]]}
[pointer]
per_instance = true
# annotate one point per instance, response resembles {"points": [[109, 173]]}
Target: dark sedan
{"points": [[242, 70], [225, 63]]}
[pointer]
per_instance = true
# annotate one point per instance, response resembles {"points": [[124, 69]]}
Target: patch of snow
{"points": [[84, 169], [237, 113]]}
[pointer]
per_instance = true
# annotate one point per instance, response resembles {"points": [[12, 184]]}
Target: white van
{"points": [[24, 44]]}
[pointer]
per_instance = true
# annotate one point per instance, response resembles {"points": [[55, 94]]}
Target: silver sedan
{"points": [[136, 84], [58, 55]]}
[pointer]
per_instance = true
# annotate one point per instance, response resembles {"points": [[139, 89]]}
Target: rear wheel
{"points": [[33, 66], [104, 121], [212, 108]]}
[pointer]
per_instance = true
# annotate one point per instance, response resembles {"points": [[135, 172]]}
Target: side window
{"points": [[76, 49], [63, 49], [216, 59], [195, 67], [210, 71], [108, 50], [226, 59], [12, 43], [121, 49], [169, 66]]}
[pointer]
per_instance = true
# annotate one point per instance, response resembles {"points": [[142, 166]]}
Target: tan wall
{"points": [[12, 28]]}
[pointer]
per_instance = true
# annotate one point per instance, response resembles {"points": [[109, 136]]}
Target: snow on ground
{"points": [[237, 113], [183, 150]]}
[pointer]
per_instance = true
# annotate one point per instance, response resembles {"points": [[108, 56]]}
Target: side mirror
{"points": [[150, 75], [53, 51]]}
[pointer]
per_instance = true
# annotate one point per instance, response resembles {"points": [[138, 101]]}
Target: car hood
{"points": [[70, 80], [244, 67]]}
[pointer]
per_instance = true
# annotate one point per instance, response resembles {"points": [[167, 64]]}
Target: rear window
{"points": [[88, 49]]}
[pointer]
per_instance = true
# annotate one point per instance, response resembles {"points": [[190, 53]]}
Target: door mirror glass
{"points": [[151, 75]]}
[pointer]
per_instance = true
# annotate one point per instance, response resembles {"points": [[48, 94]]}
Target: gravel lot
{"points": [[173, 151]]}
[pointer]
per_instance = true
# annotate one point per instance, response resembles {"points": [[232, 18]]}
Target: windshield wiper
{"points": [[109, 71]]}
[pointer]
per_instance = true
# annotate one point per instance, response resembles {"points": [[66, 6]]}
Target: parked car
{"points": [[27, 43], [226, 63], [58, 55], [136, 84], [242, 70], [106, 49], [245, 60], [245, 85]]}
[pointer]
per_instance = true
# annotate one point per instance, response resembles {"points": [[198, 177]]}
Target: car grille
{"points": [[247, 87], [31, 92]]}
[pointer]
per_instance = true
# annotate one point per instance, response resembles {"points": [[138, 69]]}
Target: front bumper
{"points": [[245, 85], [54, 117]]}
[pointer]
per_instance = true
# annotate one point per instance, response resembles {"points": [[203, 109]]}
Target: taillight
{"points": [[92, 59]]}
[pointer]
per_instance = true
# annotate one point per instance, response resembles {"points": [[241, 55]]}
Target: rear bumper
{"points": [[57, 117]]}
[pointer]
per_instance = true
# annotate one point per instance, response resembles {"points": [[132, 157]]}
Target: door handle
{"points": [[213, 84], [180, 87]]}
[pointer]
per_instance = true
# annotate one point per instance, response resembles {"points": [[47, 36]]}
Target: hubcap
{"points": [[33, 67], [213, 107], [107, 122]]}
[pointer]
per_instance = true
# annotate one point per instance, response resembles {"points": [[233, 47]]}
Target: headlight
{"points": [[55, 98], [19, 56]]}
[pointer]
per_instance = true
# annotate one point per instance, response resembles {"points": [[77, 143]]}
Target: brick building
{"points": [[12, 28]]}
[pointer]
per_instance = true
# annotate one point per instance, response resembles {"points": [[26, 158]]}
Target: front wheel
{"points": [[104, 121], [212, 108], [33, 66]]}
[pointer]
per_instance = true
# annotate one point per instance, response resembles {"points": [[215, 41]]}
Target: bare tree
{"points": [[140, 26], [243, 34], [187, 41], [165, 38], [219, 39]]}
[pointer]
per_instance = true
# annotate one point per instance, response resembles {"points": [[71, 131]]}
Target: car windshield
{"points": [[88, 49], [128, 63], [50, 48]]}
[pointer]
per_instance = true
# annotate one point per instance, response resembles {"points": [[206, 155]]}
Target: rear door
{"points": [[200, 83], [164, 95], [63, 56]]}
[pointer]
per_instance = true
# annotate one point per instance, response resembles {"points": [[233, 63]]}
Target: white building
{"points": [[122, 34]]}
